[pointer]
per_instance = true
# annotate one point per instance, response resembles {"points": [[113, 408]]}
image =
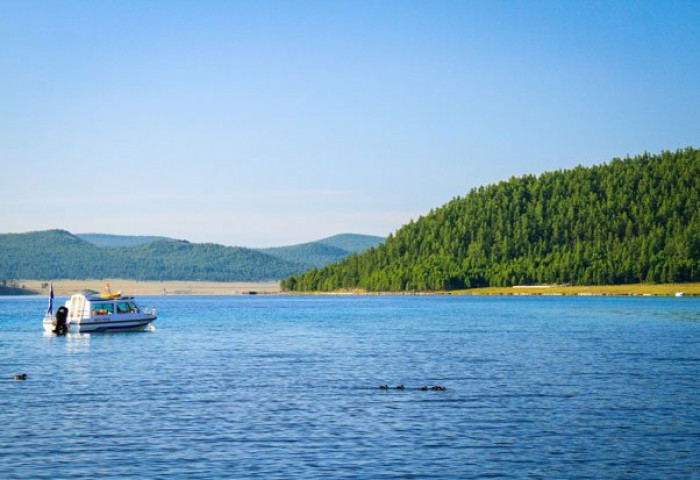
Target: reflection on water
{"points": [[74, 342], [78, 342]]}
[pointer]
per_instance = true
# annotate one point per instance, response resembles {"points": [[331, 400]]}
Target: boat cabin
{"points": [[109, 308], [82, 306]]}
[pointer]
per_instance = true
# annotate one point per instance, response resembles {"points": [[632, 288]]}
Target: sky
{"points": [[268, 123]]}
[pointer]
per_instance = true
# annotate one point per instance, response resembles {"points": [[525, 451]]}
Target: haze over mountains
{"points": [[58, 254]]}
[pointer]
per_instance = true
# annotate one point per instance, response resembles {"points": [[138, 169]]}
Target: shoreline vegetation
{"points": [[637, 289], [134, 287]]}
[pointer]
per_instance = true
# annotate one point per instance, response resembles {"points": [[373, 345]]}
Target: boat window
{"points": [[132, 307], [123, 307], [102, 308]]}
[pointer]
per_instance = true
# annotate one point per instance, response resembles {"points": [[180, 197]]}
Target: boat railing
{"points": [[149, 310]]}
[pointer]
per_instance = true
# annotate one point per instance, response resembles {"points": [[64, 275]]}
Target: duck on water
{"points": [[97, 313]]}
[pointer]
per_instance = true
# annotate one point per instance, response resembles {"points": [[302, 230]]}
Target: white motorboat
{"points": [[97, 313]]}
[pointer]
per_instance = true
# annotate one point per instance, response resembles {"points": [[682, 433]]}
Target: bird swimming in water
{"points": [[424, 388], [21, 376]]}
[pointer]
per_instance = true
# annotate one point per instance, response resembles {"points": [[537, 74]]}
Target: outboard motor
{"points": [[61, 321]]}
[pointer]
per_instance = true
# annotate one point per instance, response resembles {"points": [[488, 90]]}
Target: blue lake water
{"points": [[288, 387]]}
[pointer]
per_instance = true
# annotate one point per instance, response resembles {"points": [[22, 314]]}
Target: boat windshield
{"points": [[127, 307]]}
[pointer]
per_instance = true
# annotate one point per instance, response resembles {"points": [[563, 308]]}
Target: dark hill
{"points": [[325, 251], [632, 220], [47, 255], [15, 291], [59, 254], [182, 260], [312, 253], [352, 242]]}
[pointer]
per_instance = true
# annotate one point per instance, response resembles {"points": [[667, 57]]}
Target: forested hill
{"points": [[325, 251], [57, 254], [632, 220], [352, 242]]}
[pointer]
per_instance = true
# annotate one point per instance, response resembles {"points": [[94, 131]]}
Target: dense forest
{"points": [[58, 254], [628, 221]]}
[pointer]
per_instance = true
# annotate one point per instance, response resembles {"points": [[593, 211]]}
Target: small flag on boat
{"points": [[50, 310]]}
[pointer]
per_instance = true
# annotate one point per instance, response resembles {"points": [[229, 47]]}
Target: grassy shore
{"points": [[134, 287], [667, 289], [633, 289]]}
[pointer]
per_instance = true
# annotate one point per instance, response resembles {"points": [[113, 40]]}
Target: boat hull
{"points": [[93, 325], [105, 326]]}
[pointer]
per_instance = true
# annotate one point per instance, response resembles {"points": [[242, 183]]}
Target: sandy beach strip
{"points": [[135, 287]]}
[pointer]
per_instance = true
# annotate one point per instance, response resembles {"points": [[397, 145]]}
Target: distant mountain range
{"points": [[106, 240], [310, 254], [58, 254]]}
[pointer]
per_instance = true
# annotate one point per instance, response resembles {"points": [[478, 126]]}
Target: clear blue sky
{"points": [[270, 123]]}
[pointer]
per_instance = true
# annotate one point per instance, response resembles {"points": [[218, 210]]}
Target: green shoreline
{"points": [[639, 289]]}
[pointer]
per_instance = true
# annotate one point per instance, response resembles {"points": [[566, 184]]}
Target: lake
{"points": [[288, 387]]}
